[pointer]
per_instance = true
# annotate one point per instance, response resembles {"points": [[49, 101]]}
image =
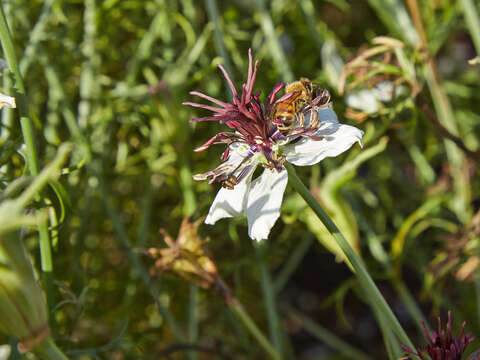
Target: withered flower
{"points": [[441, 344], [258, 139], [185, 256]]}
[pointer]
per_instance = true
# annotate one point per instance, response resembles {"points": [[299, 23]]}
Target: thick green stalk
{"points": [[28, 136], [359, 268], [247, 321], [49, 351], [89, 85]]}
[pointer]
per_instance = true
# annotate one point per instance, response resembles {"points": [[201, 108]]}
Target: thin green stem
{"points": [[28, 137], [36, 35], [476, 280], [293, 261], [7, 112], [359, 268], [276, 49], [269, 297], [326, 336], [134, 258], [20, 97], [411, 305], [247, 321], [193, 319], [473, 21], [213, 16]]}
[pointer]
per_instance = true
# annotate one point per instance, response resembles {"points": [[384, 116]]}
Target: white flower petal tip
{"points": [[6, 100], [336, 139], [264, 202], [229, 202]]}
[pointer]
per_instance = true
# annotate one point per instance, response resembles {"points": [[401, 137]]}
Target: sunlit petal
{"points": [[230, 202], [6, 100], [363, 100], [336, 138], [264, 201]]}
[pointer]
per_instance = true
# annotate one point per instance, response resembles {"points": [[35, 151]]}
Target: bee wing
{"points": [[289, 97]]}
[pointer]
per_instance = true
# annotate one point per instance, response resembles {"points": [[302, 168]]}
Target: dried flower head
{"points": [[259, 136], [441, 344], [185, 256]]}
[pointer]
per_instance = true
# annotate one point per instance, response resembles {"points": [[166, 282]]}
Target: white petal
{"points": [[6, 100], [364, 100], [327, 116], [264, 201], [5, 352], [336, 138], [230, 202], [384, 91]]}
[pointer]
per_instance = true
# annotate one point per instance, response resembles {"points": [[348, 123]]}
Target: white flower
{"points": [[6, 100], [258, 137], [5, 351], [261, 198], [370, 100]]}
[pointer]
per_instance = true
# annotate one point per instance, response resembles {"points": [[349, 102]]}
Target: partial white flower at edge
{"points": [[367, 100], [6, 100], [262, 197], [5, 351]]}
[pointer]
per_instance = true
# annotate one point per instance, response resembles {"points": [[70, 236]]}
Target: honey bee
{"points": [[286, 114]]}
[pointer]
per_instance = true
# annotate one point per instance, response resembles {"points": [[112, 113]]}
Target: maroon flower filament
{"points": [[253, 127], [441, 344], [300, 127]]}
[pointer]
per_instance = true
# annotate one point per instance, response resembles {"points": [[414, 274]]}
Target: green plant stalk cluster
{"points": [[376, 298], [28, 136], [23, 309]]}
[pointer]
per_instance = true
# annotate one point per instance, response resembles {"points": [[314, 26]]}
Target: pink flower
{"points": [[442, 345]]}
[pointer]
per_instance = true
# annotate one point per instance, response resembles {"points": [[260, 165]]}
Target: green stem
{"points": [[411, 305], [36, 36], [361, 272], [326, 336], [473, 21], [193, 319], [269, 297], [292, 262], [213, 16], [276, 50], [28, 137], [476, 280], [247, 321], [49, 351]]}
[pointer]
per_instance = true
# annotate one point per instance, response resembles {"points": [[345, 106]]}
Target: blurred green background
{"points": [[110, 76]]}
